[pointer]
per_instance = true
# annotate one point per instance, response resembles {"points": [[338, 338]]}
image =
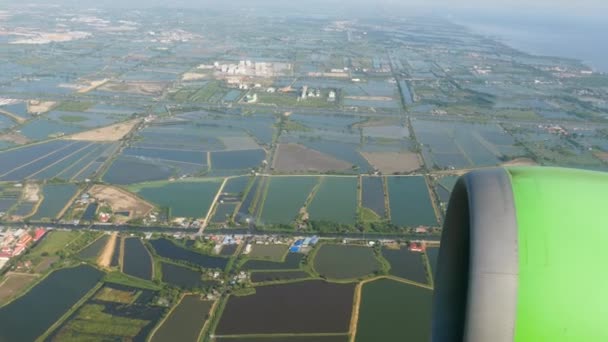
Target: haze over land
{"points": [[216, 170]]}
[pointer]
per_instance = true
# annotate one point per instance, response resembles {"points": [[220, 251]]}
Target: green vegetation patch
{"points": [[53, 242], [392, 310], [345, 261], [91, 321], [109, 294]]}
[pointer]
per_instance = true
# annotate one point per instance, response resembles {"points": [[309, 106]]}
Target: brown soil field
{"points": [[45, 263], [13, 284], [92, 86], [391, 162], [105, 258], [109, 133], [369, 98], [31, 192], [121, 200], [10, 115], [602, 155], [520, 162], [39, 107], [14, 137], [294, 157], [135, 87]]}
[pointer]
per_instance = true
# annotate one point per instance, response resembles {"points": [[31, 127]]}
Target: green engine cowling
{"points": [[524, 257]]}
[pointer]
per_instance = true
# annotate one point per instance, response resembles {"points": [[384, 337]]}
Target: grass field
{"points": [[345, 261], [391, 310], [268, 252], [109, 294], [53, 242], [91, 321]]}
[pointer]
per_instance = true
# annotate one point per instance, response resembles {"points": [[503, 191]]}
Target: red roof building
{"points": [[416, 247], [24, 240], [39, 233]]}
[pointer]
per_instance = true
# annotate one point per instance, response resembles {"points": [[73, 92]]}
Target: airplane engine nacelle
{"points": [[524, 257]]}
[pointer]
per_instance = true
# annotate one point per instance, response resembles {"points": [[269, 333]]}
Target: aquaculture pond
{"points": [[293, 338], [259, 277], [433, 255], [128, 170], [167, 249], [313, 306], [40, 162], [284, 198], [55, 198], [372, 195], [291, 262], [93, 250], [184, 277], [410, 202], [136, 261], [384, 305], [335, 201], [185, 321], [41, 129], [184, 198], [223, 212], [236, 185], [406, 264], [237, 160], [59, 292], [345, 261]]}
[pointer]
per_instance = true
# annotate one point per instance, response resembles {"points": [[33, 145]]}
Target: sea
{"points": [[576, 37]]}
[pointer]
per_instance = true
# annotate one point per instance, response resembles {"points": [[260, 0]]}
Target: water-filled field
{"points": [[285, 197], [259, 277], [59, 292], [41, 129], [185, 198], [433, 254], [268, 252], [335, 201], [137, 261], [56, 197], [291, 262], [167, 249], [345, 261], [237, 160], [410, 202], [236, 185], [304, 307], [54, 159], [372, 195], [185, 321], [385, 303], [294, 338], [406, 264], [183, 277], [128, 170], [223, 212], [93, 250]]}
